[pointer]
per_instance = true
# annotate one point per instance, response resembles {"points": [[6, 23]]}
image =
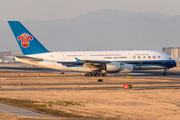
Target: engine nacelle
{"points": [[113, 67], [126, 68]]}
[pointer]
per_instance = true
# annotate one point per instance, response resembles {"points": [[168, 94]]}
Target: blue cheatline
{"points": [[27, 42]]}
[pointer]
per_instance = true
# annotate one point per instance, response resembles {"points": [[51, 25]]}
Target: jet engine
{"points": [[113, 67], [126, 68]]}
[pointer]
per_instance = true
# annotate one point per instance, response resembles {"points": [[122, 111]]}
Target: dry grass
{"points": [[114, 104], [102, 104]]}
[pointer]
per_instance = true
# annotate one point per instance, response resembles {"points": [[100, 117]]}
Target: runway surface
{"points": [[143, 83], [28, 69], [136, 74], [139, 73], [176, 86], [95, 88]]}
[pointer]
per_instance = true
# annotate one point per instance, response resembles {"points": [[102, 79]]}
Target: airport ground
{"points": [[153, 96]]}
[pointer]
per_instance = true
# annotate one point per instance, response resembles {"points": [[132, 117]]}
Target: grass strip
{"points": [[41, 108], [64, 103]]}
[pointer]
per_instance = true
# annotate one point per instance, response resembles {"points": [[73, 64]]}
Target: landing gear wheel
{"points": [[165, 73], [97, 74], [104, 74], [93, 74]]}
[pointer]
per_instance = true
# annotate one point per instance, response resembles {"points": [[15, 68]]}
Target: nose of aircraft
{"points": [[174, 63]]}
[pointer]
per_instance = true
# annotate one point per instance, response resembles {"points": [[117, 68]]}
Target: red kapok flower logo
{"points": [[25, 39]]}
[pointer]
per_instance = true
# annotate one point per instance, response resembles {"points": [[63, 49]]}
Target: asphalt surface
{"points": [[29, 69], [144, 83], [95, 88], [177, 85], [136, 74], [140, 73]]}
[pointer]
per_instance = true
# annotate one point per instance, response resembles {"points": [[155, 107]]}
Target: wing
{"points": [[94, 65]]}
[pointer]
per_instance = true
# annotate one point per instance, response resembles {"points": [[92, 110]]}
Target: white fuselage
{"points": [[142, 59]]}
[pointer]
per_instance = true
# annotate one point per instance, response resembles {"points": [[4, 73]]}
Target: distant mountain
{"points": [[101, 29]]}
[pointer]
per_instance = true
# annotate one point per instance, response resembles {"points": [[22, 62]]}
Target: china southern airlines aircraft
{"points": [[93, 63]]}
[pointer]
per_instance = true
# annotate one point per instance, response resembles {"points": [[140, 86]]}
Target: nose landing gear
{"points": [[165, 72]]}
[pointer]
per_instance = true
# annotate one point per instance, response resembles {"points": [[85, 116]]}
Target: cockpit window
{"points": [[170, 58]]}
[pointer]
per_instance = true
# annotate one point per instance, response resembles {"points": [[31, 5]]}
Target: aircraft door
{"points": [[84, 55], [54, 63], [64, 56], [129, 55]]}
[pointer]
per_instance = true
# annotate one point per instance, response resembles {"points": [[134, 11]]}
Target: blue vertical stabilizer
{"points": [[27, 42]]}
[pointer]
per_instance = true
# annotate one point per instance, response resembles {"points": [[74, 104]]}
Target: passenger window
{"points": [[149, 57], [139, 57], [134, 57], [144, 57], [154, 57], [159, 57]]}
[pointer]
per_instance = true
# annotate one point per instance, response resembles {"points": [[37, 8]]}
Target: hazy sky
{"points": [[44, 10]]}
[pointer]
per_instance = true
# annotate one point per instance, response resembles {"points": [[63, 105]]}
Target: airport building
{"points": [[173, 52], [2, 54], [17, 54], [3, 57]]}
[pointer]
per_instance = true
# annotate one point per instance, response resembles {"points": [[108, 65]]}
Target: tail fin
{"points": [[27, 42]]}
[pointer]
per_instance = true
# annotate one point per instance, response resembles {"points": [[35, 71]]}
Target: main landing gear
{"points": [[95, 74], [165, 72]]}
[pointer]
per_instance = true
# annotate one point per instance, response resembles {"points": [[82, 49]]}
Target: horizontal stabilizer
{"points": [[28, 58]]}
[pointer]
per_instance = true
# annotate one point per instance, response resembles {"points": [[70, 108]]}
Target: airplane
{"points": [[93, 63]]}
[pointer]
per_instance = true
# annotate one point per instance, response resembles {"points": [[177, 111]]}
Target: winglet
{"points": [[77, 60]]}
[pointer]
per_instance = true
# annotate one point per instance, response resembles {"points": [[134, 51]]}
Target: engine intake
{"points": [[113, 67]]}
